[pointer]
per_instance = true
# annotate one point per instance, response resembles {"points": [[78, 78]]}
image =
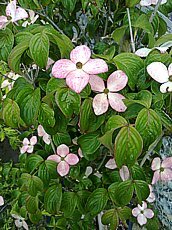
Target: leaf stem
{"points": [[131, 32]]}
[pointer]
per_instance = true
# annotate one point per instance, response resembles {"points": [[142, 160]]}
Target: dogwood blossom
{"points": [[1, 201], [32, 18], [144, 52], [162, 169], [64, 159], [151, 2], [42, 133], [20, 222], [116, 81], [28, 145], [123, 172], [142, 213], [151, 197], [78, 69], [159, 72], [3, 21]]}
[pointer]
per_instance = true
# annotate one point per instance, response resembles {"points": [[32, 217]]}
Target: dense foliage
{"points": [[85, 100]]}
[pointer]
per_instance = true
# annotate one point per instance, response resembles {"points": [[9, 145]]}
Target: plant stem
{"points": [[131, 32], [52, 145], [152, 147], [107, 19]]}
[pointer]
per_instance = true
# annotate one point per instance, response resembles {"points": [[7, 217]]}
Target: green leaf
{"points": [[138, 173], [61, 138], [14, 57], [53, 85], [115, 122], [97, 201], [148, 124], [36, 217], [68, 101], [131, 65], [47, 170], [6, 43], [69, 5], [128, 146], [39, 48], [29, 106], [35, 185], [124, 213], [119, 33], [53, 199], [33, 161], [46, 115], [111, 217], [69, 203], [163, 39], [143, 23], [106, 140], [142, 190], [32, 204], [22, 36], [11, 113], [89, 143], [165, 119]]}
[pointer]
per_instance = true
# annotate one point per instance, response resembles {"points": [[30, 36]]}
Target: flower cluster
{"points": [[28, 145]]}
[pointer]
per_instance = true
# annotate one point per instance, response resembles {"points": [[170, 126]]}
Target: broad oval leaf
{"points": [[69, 202], [6, 43], [46, 115], [142, 190]]}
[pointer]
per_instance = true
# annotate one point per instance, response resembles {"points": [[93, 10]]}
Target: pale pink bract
{"points": [[151, 2], [162, 169], [64, 159], [28, 145], [1, 201], [16, 13], [116, 81], [77, 70], [151, 197], [41, 133]]}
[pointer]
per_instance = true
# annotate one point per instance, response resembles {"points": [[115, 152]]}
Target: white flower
{"points": [[151, 2], [1, 201], [28, 145], [32, 18], [20, 222], [151, 197], [42, 133]]}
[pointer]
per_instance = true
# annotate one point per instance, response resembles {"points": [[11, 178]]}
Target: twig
{"points": [[152, 147], [131, 32], [107, 19], [52, 145]]}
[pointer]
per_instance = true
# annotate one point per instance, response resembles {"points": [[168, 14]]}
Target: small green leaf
{"points": [[111, 217], [69, 202], [35, 185], [47, 170], [32, 204], [142, 190], [6, 43], [143, 23], [115, 122], [55, 83], [33, 161], [46, 115], [119, 33]]}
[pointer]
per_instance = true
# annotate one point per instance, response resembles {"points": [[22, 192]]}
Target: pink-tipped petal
{"points": [[41, 131], [111, 164], [141, 219], [55, 158], [3, 22], [62, 68], [166, 87], [24, 149], [33, 140], [167, 162], [49, 62], [156, 176], [11, 10], [116, 102], [47, 139], [77, 80], [156, 164], [158, 71], [135, 211], [1, 201], [124, 173], [62, 150], [151, 197], [26, 141], [148, 213], [80, 153], [20, 14], [170, 70], [97, 84], [166, 175], [95, 66], [30, 149], [63, 168], [143, 52], [143, 206], [72, 159], [145, 2], [100, 104], [80, 54], [117, 81]]}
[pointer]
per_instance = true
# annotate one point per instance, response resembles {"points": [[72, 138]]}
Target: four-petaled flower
{"points": [[20, 222], [116, 81], [151, 197], [142, 213], [151, 2], [16, 13], [159, 72], [64, 159], [78, 69], [1, 201], [28, 145], [42, 133], [163, 170]]}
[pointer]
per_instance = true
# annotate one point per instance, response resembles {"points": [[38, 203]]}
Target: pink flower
{"points": [[116, 81], [123, 172], [163, 170], [42, 133], [1, 201], [159, 72], [77, 70], [3, 22], [28, 145], [20, 222], [16, 13], [142, 213], [64, 159], [151, 2], [151, 197]]}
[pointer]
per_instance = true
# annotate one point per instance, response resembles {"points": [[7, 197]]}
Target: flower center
{"points": [[142, 212], [106, 91], [79, 65], [170, 78], [161, 169]]}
